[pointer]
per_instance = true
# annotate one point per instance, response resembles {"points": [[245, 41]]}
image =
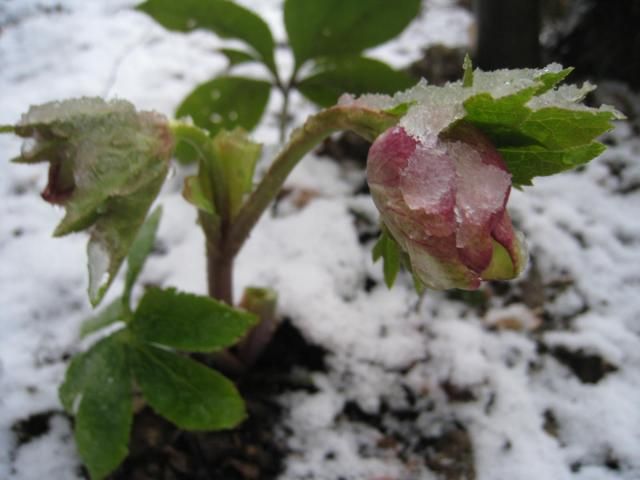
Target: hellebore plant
{"points": [[440, 170]]}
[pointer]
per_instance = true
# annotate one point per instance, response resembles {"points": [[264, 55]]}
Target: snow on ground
{"points": [[413, 370]]}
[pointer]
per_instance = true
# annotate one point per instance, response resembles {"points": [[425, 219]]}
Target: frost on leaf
{"points": [[539, 128], [107, 163]]}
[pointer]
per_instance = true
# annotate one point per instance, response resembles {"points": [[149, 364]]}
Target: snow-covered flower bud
{"points": [[444, 203]]}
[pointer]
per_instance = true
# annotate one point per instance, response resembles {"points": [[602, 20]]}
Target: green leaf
{"points": [[7, 129], [538, 142], [531, 161], [107, 164], [97, 391], [467, 77], [223, 17], [389, 250], [188, 322], [189, 394], [355, 75], [196, 196], [318, 28], [540, 127], [226, 103], [185, 154], [236, 156], [116, 311], [551, 79], [140, 250], [400, 109], [236, 57], [191, 142]]}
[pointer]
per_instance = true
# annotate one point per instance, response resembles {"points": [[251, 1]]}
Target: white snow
{"points": [[528, 415]]}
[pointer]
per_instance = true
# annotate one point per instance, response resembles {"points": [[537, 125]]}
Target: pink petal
{"points": [[482, 192], [388, 156]]}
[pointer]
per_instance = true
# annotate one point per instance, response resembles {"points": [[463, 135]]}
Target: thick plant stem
{"points": [[219, 274], [366, 122]]}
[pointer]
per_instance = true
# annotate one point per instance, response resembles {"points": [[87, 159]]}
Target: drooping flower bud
{"points": [[444, 203]]}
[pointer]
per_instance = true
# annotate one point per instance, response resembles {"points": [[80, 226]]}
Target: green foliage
{"points": [[539, 127], [97, 391], [236, 57], [332, 28], [187, 393], [223, 17], [225, 174], [331, 34], [98, 385], [225, 103], [107, 164], [116, 311], [543, 141], [140, 250], [356, 75], [390, 252], [188, 322]]}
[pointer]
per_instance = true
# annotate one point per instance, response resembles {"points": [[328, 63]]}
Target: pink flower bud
{"points": [[445, 205]]}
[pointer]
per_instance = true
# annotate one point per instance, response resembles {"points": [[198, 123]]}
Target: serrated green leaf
{"points": [[530, 161], [388, 249], [541, 127], [237, 57], [223, 17], [551, 79], [538, 142], [107, 164], [188, 322], [97, 391], [140, 249], [355, 75], [189, 394], [226, 103], [116, 311], [319, 28]]}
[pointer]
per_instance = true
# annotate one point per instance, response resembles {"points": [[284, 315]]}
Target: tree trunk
{"points": [[508, 33]]}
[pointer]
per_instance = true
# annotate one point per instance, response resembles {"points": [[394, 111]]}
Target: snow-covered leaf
{"points": [[107, 164], [539, 128]]}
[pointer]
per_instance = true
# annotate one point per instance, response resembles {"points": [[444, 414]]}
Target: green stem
{"points": [[284, 113], [219, 274], [363, 121]]}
